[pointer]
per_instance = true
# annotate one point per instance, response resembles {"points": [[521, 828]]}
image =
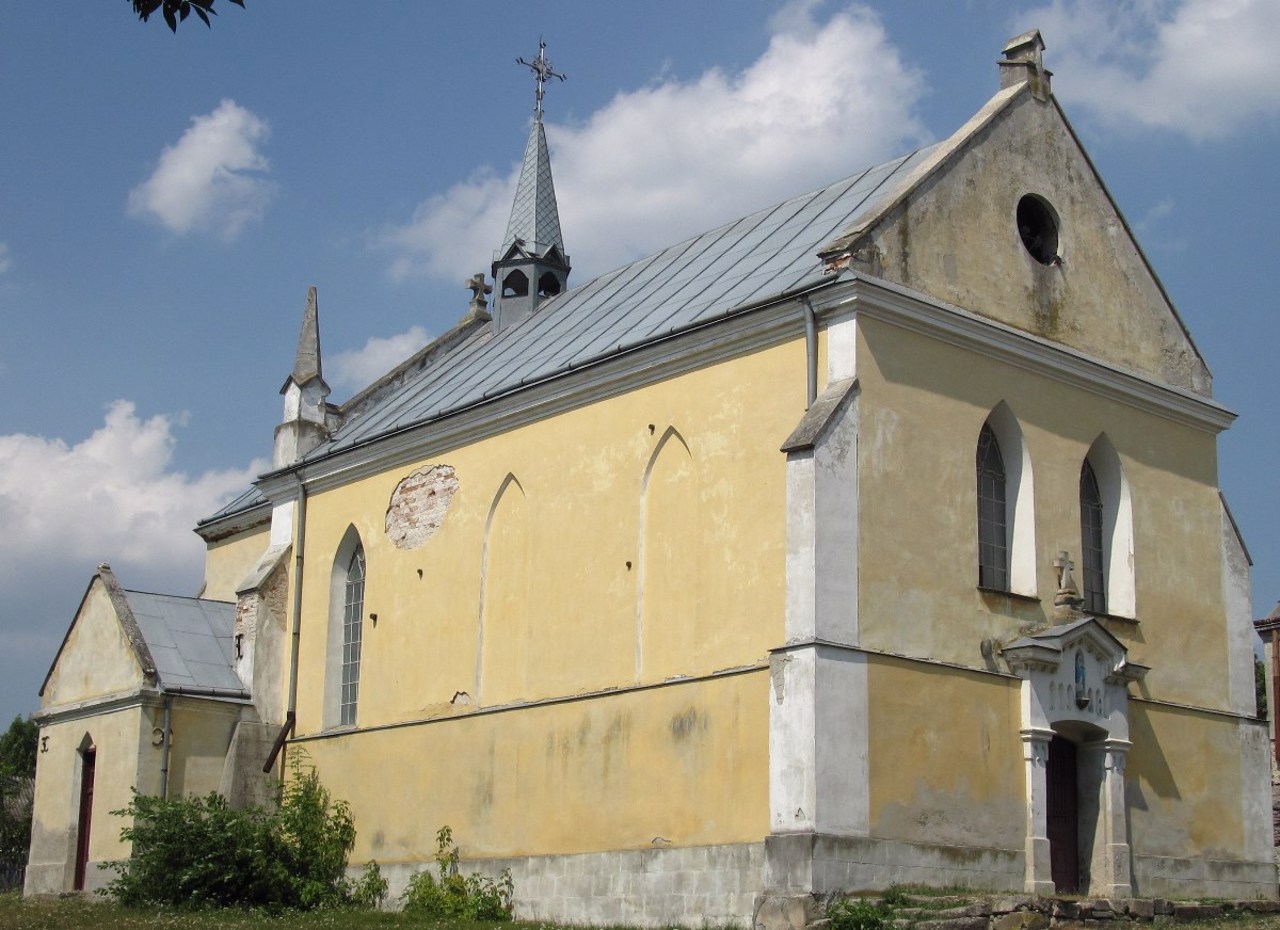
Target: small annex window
{"points": [[1038, 229]]}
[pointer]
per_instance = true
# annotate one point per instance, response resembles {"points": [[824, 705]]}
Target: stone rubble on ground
{"points": [[1026, 912]]}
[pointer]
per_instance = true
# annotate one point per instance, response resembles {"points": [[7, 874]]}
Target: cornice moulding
{"points": [[911, 310]]}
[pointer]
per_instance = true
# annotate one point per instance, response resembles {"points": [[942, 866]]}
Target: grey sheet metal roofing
{"points": [[190, 640], [246, 501], [739, 264]]}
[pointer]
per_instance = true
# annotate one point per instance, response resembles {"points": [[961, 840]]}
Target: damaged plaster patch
{"points": [[418, 504]]}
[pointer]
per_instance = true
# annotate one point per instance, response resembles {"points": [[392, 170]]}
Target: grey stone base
{"points": [[821, 863], [54, 878], [1167, 877], [690, 886]]}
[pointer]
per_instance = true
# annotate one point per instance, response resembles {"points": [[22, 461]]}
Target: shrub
{"points": [[197, 852], [370, 889], [316, 834], [856, 914], [472, 897], [201, 852]]}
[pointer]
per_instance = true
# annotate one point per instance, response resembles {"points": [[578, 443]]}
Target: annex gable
{"points": [[97, 658], [1011, 221]]}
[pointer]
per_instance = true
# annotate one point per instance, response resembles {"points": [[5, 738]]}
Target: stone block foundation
{"points": [[691, 886]]}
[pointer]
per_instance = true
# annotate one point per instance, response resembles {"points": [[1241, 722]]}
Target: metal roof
{"points": [[190, 640], [739, 264], [250, 498], [535, 217]]}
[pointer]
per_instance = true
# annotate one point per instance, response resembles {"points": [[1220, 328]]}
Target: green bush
{"points": [[856, 914], [472, 897], [316, 833], [201, 852], [17, 781], [370, 889]]}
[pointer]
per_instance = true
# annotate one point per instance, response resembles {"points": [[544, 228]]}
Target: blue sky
{"points": [[166, 201]]}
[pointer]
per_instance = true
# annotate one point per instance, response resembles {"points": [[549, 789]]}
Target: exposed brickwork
{"points": [[418, 505]]}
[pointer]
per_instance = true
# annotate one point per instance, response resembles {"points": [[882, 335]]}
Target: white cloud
{"points": [[211, 178], [357, 368], [675, 158], [1203, 68], [111, 496], [6, 262]]}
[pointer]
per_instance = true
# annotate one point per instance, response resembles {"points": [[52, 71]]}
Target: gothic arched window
{"points": [[1093, 573], [352, 628], [993, 528]]}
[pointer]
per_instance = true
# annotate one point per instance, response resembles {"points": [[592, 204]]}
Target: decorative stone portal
{"points": [[1075, 736]]}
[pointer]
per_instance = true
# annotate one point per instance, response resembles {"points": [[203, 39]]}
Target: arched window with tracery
{"points": [[1093, 571], [1107, 579], [352, 635], [993, 528], [345, 636]]}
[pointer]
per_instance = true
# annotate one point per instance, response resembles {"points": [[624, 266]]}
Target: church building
{"points": [[872, 538]]}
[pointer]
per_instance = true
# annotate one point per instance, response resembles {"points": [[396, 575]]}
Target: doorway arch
{"points": [[1075, 735]]}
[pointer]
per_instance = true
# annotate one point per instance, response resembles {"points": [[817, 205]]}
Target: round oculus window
{"points": [[1038, 229]]}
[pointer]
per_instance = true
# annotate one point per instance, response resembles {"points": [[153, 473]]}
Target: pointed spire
{"points": [[535, 215], [306, 364], [306, 413], [531, 265]]}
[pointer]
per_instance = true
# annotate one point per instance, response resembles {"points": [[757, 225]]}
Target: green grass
{"points": [[74, 913]]}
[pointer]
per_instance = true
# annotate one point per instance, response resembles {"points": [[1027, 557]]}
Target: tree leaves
{"points": [[177, 11]]}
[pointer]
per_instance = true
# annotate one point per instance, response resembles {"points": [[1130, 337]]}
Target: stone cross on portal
{"points": [[541, 68], [1068, 594], [478, 290]]}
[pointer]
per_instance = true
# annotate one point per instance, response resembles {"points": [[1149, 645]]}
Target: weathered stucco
{"points": [[956, 237], [922, 406], [955, 734], [227, 562], [96, 659]]}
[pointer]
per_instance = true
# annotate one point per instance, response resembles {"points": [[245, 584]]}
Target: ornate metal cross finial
{"points": [[541, 68]]}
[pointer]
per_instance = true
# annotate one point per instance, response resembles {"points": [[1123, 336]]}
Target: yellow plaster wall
{"points": [[125, 759], [96, 658], [201, 735], [1183, 783], [957, 238], [684, 764], [922, 406], [557, 562], [228, 561], [946, 760]]}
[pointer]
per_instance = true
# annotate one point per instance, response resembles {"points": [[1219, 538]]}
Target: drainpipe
{"points": [[300, 536], [811, 349], [164, 746], [1274, 712]]}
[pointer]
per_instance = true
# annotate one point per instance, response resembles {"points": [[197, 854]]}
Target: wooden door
{"points": [[1063, 815], [87, 766]]}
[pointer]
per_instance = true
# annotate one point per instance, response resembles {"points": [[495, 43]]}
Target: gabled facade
{"points": [[872, 538], [142, 695]]}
